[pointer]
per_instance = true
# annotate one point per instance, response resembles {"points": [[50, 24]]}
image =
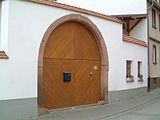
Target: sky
{"points": [[110, 7]]}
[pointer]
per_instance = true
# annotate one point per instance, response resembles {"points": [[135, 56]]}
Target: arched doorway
{"points": [[73, 64]]}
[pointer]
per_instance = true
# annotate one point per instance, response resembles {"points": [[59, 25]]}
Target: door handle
{"points": [[91, 74]]}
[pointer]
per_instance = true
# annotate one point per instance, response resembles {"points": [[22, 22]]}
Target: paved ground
{"points": [[149, 111], [142, 107]]}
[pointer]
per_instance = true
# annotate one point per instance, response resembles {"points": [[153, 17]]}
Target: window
{"points": [[154, 55], [140, 76], [159, 54], [153, 18], [139, 68], [129, 76], [159, 22], [128, 68]]}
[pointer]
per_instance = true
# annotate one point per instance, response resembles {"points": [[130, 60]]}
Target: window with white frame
{"points": [[128, 68], [154, 54], [139, 68], [129, 75], [140, 76]]}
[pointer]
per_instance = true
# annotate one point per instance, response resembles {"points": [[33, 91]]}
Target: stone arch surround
{"points": [[100, 42]]}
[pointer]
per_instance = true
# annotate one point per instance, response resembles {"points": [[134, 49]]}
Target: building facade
{"points": [[154, 43], [133, 13], [56, 53]]}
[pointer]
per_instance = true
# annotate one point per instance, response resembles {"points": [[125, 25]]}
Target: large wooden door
{"points": [[87, 75], [72, 48]]}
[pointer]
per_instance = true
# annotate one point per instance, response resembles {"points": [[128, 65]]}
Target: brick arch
{"points": [[100, 42]]}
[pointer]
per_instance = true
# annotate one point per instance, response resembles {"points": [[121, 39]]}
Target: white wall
{"points": [[117, 80], [140, 31], [110, 7], [4, 25], [27, 24]]}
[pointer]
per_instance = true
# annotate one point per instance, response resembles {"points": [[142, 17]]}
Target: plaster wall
{"points": [[154, 32], [27, 24], [111, 7], [140, 31], [154, 40]]}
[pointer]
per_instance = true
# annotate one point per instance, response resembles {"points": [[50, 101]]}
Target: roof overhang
{"points": [[131, 16], [134, 41], [77, 9]]}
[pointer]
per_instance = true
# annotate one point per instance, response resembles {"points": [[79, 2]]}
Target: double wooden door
{"points": [[71, 48]]}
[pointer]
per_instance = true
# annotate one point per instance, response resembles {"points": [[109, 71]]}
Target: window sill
{"points": [[155, 63], [3, 55], [140, 80], [129, 79], [154, 27]]}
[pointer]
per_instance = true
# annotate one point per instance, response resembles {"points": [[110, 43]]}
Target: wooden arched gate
{"points": [[71, 71]]}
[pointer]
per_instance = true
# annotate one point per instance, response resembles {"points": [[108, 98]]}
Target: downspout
{"points": [[148, 8]]}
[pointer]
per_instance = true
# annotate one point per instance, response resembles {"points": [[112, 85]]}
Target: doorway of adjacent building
{"points": [[71, 67]]}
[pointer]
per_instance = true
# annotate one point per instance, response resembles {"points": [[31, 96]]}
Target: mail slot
{"points": [[67, 76]]}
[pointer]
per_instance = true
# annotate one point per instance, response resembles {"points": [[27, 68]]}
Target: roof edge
{"points": [[3, 55], [131, 15], [77, 9], [134, 41]]}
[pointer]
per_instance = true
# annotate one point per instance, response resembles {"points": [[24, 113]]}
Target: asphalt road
{"points": [[141, 107], [149, 111]]}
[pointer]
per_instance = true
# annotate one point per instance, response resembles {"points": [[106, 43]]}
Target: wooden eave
{"points": [[77, 9], [3, 55], [134, 41]]}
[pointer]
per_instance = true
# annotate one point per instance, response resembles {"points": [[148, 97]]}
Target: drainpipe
{"points": [[148, 8]]}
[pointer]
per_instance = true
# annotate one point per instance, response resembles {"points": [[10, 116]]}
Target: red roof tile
{"points": [[134, 41], [77, 9], [3, 55]]}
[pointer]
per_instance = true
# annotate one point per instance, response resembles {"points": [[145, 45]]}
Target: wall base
{"points": [[116, 96], [154, 83], [18, 109]]}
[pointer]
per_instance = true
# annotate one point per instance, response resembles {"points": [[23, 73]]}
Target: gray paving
{"points": [[149, 111], [145, 106], [142, 107]]}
